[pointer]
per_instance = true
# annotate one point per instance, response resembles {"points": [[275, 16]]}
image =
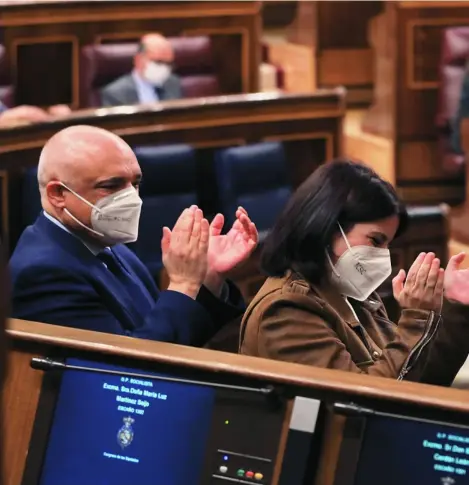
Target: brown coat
{"points": [[293, 321]]}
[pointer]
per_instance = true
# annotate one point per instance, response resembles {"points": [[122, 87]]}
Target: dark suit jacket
{"points": [[123, 91], [57, 279]]}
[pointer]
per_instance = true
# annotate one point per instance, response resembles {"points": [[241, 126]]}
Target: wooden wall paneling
{"points": [[337, 32], [298, 66], [20, 399], [282, 444], [235, 28], [380, 117], [232, 46], [55, 76], [278, 14], [407, 38], [331, 448]]}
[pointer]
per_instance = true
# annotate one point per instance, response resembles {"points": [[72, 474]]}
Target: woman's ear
{"points": [[337, 246]]}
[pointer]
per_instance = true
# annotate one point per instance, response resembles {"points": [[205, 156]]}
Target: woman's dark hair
{"points": [[341, 191]]}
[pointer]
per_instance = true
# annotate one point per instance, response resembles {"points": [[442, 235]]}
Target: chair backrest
{"points": [[256, 178], [103, 63], [7, 90], [454, 57], [169, 186]]}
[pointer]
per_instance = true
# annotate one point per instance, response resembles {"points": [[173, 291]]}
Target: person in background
{"points": [[71, 266], [326, 256], [30, 114], [150, 81]]}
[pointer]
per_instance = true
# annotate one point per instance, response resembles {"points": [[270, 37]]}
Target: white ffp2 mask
{"points": [[115, 217], [360, 270], [156, 73]]}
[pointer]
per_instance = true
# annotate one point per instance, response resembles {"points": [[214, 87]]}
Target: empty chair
{"points": [[256, 178], [31, 198], [169, 186]]}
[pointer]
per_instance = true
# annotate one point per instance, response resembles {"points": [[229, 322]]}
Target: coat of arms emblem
{"points": [[126, 434], [448, 481]]}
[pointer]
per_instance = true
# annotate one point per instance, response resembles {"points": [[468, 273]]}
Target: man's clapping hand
{"points": [[184, 251], [226, 251]]}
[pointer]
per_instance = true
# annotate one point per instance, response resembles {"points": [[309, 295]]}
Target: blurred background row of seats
{"points": [[102, 64]]}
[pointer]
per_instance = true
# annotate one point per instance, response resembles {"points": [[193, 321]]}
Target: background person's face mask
{"points": [[115, 217], [360, 270], [156, 73]]}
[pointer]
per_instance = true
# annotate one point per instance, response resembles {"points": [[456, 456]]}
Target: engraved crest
{"points": [[126, 434], [447, 481]]}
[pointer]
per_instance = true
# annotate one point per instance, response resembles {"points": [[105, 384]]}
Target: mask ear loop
{"points": [[74, 218], [345, 238], [80, 197], [81, 224], [334, 270]]}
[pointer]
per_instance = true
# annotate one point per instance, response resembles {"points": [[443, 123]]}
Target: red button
{"points": [[249, 474]]}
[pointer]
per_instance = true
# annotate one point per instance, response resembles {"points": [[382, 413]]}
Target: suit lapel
{"points": [[112, 295]]}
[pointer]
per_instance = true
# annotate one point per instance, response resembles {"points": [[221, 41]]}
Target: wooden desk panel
{"points": [[309, 125], [28, 339], [40, 36]]}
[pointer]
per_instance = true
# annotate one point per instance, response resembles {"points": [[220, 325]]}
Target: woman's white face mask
{"points": [[360, 270]]}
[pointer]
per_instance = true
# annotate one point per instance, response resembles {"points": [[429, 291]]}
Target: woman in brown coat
{"points": [[326, 256]]}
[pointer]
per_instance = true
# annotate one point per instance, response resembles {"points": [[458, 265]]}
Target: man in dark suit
{"points": [[71, 266], [151, 80]]}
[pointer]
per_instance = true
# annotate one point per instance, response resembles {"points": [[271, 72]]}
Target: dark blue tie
{"points": [[141, 299], [159, 93]]}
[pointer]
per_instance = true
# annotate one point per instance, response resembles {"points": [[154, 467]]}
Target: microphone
{"points": [[46, 364], [351, 409]]}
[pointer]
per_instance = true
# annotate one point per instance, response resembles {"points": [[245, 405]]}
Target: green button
{"points": [[240, 472]]}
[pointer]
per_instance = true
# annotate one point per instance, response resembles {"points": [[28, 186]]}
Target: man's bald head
{"points": [[89, 161], [74, 151], [153, 48]]}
